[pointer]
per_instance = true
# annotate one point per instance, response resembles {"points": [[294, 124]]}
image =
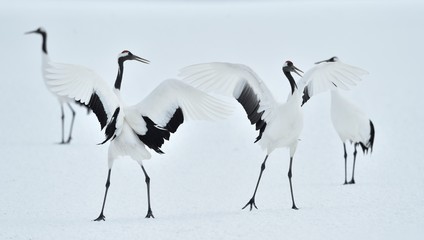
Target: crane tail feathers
{"points": [[370, 144], [372, 135]]}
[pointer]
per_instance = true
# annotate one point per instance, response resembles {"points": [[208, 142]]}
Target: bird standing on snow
{"points": [[350, 123], [131, 128], [279, 124], [47, 66]]}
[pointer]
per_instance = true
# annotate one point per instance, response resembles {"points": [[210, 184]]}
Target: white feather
{"points": [[348, 120], [162, 102], [331, 75], [229, 79], [80, 83]]}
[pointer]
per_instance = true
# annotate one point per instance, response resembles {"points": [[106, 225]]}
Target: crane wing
{"points": [[166, 108], [236, 80], [85, 86], [330, 75]]}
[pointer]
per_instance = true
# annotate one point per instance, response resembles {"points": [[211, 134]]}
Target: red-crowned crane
{"points": [[46, 64], [350, 123], [131, 128], [279, 124]]}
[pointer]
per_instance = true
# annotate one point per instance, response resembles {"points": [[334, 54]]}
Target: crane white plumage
{"points": [[279, 124], [48, 64], [131, 128], [350, 123]]}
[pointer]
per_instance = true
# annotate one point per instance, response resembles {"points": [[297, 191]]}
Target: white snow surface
{"points": [[52, 191]]}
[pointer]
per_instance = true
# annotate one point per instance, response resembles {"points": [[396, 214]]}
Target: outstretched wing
{"points": [[84, 86], [239, 81], [329, 75], [166, 108]]}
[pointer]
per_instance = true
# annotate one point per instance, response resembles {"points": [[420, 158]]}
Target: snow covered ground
{"points": [[51, 191]]}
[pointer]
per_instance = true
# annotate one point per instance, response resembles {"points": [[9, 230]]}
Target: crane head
{"points": [[127, 55], [290, 67], [333, 59], [39, 30]]}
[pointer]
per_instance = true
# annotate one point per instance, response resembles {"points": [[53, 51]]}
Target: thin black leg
{"points": [[101, 216], [354, 163], [251, 202], [291, 186], [149, 210], [345, 158], [63, 123], [72, 123]]}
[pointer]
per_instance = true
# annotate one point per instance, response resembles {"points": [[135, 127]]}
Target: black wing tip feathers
{"points": [[156, 135], [83, 105], [250, 102], [111, 127], [96, 105], [176, 120], [305, 96], [261, 130]]}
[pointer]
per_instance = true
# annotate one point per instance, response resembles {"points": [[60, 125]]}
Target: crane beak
{"points": [[35, 31], [297, 70], [137, 58], [321, 61]]}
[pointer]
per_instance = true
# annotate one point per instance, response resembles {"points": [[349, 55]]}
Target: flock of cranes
{"points": [[130, 129]]}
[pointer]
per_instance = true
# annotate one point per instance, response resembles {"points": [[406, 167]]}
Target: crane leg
{"points": [[147, 179], [354, 163], [72, 123], [345, 162], [101, 216], [62, 117], [251, 202], [291, 186]]}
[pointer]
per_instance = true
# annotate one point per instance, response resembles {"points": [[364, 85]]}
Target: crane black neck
{"points": [[120, 74], [291, 81], [44, 46]]}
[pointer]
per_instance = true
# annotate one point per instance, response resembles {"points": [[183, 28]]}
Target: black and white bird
{"points": [[279, 124], [48, 64], [131, 128], [350, 123]]}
